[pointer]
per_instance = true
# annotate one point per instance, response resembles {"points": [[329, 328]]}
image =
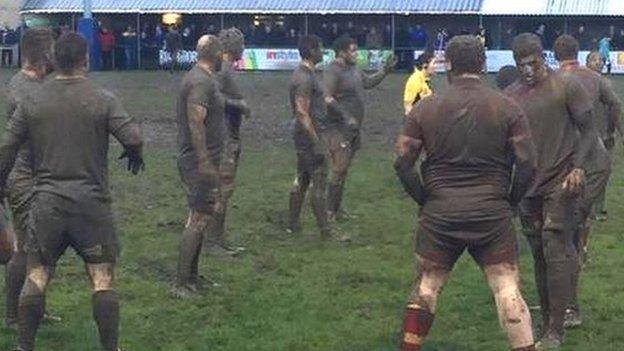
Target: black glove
{"points": [[135, 161]]}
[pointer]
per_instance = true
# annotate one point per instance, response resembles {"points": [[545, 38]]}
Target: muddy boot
{"points": [[549, 341], [572, 318], [184, 291]]}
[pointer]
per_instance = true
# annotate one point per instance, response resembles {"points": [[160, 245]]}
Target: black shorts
{"points": [[57, 223], [202, 194], [489, 242]]}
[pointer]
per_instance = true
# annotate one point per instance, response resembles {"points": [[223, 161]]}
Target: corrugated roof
{"points": [[513, 7], [553, 7], [258, 6], [585, 7]]}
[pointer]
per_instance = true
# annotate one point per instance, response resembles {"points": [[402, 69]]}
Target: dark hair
{"points": [[69, 52], [423, 59], [506, 76], [307, 44], [233, 41], [36, 45], [466, 54], [210, 49], [527, 44], [343, 43], [566, 48]]}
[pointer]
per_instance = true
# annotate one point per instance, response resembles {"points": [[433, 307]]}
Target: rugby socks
{"points": [[106, 314], [14, 281], [416, 326], [31, 309]]}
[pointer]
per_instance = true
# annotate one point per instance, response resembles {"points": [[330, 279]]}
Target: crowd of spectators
{"points": [[119, 41]]}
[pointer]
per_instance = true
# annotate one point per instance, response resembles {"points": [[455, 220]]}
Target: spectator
{"points": [[188, 42], [507, 37], [618, 40], [604, 48], [541, 32], [251, 34], [441, 39], [583, 37], [107, 47], [418, 37], [292, 38], [10, 39], [374, 40], [130, 47], [325, 34], [159, 37], [173, 45], [335, 32], [279, 35], [482, 35], [388, 35]]}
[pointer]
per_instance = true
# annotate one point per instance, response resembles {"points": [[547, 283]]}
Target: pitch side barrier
{"points": [[276, 59], [499, 58]]}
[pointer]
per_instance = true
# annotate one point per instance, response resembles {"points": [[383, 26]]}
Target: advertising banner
{"points": [[495, 59], [278, 59]]}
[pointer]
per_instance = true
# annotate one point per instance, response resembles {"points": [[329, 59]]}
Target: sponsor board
{"points": [[277, 59], [495, 59]]}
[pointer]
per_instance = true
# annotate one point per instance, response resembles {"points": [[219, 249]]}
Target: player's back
{"points": [[68, 128], [466, 133]]}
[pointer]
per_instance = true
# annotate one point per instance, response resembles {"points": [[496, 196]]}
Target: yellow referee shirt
{"points": [[416, 88]]}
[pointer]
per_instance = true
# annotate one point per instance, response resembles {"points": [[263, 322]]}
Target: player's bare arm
{"points": [[525, 157], [407, 151], [372, 80]]}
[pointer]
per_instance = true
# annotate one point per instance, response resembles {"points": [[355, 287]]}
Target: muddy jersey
{"points": [[601, 95], [347, 84], [21, 90], [304, 82], [471, 135], [608, 112], [200, 88], [230, 90], [555, 108], [68, 125]]}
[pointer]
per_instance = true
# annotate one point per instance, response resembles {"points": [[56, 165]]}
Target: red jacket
{"points": [[107, 41]]}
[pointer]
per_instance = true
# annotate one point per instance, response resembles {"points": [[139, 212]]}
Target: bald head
{"points": [[210, 51]]}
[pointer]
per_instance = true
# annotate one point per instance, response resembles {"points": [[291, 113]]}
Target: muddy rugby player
{"points": [[469, 134], [37, 62], [598, 167], [236, 108], [307, 101], [71, 204], [559, 111], [344, 89], [201, 134]]}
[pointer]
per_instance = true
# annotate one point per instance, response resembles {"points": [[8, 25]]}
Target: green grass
{"points": [[296, 293]]}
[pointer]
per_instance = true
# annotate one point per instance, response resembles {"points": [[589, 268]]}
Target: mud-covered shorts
{"points": [[20, 198], [57, 223], [201, 193], [443, 240]]}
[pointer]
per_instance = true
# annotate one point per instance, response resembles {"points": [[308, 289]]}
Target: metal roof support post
{"points": [[138, 32], [222, 21], [565, 25], [393, 25], [306, 24], [480, 21]]}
